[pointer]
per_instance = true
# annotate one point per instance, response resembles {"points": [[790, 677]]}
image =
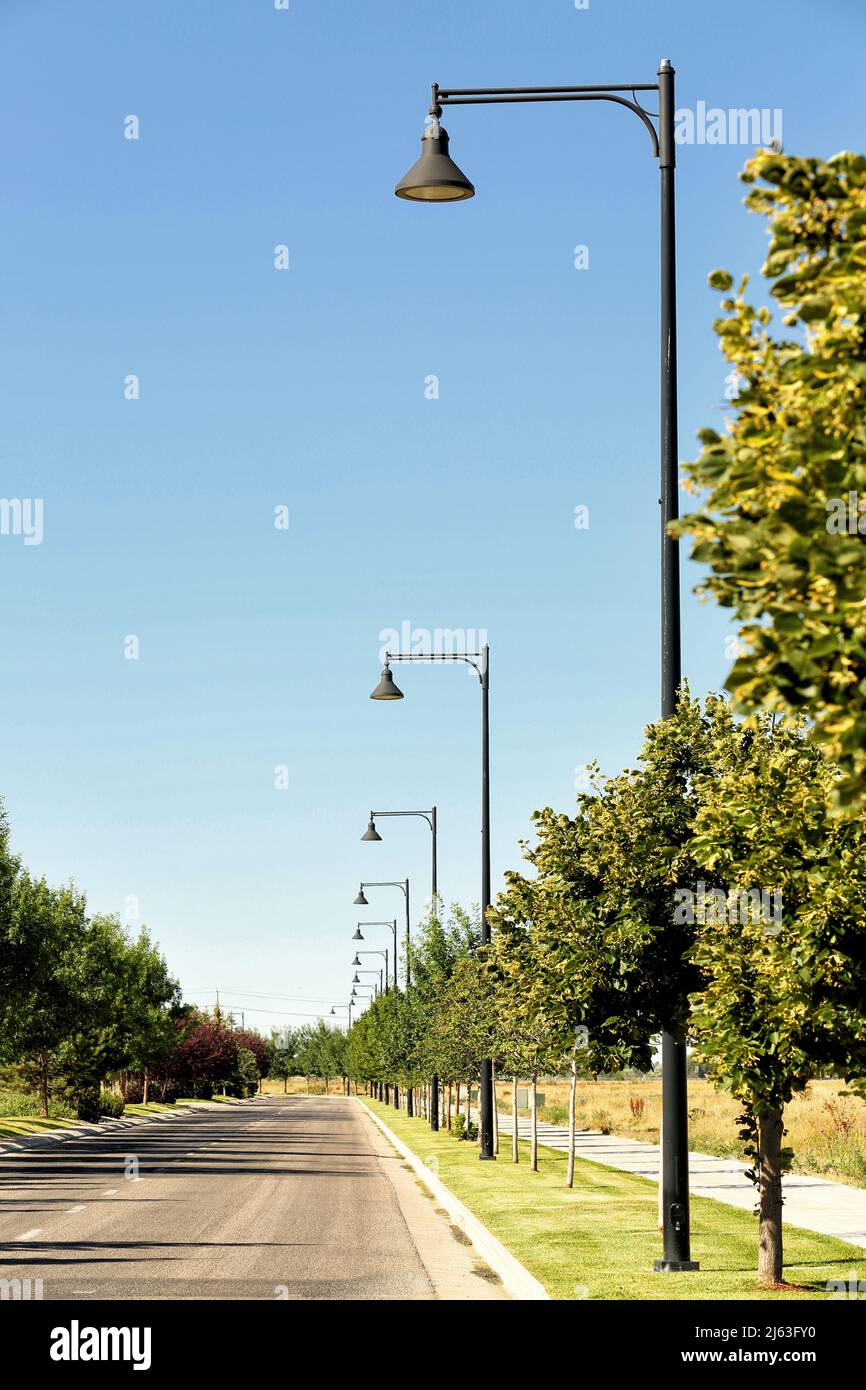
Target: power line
{"points": [[263, 994]]}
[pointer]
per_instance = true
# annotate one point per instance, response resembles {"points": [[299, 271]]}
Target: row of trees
{"points": [[712, 890], [83, 1003], [318, 1050]]}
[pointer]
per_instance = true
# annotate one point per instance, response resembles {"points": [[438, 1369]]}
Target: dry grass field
{"points": [[826, 1126]]}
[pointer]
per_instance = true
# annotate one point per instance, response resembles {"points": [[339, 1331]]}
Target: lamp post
{"points": [[387, 690], [372, 834], [335, 1007], [361, 901], [403, 885], [436, 178], [358, 935], [375, 973], [357, 961]]}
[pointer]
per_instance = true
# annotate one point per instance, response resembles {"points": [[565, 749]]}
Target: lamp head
{"points": [[386, 690], [358, 935], [371, 833], [360, 901], [435, 178]]}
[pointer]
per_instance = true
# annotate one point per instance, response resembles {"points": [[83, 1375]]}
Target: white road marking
{"points": [[28, 1235], [72, 1209], [110, 1192]]}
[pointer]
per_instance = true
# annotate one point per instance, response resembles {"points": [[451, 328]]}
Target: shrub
{"points": [[601, 1120], [463, 1131], [87, 1105], [134, 1090], [554, 1114], [637, 1105], [111, 1104]]}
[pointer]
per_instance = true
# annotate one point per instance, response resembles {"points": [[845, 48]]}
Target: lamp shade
{"points": [[358, 935], [386, 690], [360, 901], [357, 960], [371, 833], [435, 178]]}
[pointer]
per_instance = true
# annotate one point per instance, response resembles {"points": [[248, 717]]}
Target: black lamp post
{"points": [[335, 1007], [358, 935], [372, 834], [387, 690], [384, 954], [436, 178]]}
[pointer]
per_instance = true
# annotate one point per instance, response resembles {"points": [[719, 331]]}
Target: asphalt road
{"points": [[297, 1198]]}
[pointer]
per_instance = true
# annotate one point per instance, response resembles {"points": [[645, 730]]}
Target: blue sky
{"points": [[153, 779]]}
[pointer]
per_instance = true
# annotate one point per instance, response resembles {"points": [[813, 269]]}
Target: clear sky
{"points": [[154, 779]]}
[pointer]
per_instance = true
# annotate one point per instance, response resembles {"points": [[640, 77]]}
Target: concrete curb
{"points": [[516, 1278], [59, 1136]]}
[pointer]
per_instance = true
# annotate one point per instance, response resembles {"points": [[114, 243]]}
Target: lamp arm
{"points": [[487, 96]]}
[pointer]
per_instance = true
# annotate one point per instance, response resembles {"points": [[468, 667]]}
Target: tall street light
{"points": [[387, 690], [358, 935], [372, 834], [335, 1007], [436, 178], [361, 901]]}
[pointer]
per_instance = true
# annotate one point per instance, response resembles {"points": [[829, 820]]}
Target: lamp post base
{"points": [[487, 1158], [674, 1266]]}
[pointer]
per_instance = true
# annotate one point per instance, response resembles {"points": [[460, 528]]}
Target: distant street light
{"points": [[387, 690]]}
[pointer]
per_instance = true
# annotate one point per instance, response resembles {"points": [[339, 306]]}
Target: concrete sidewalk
{"points": [[814, 1204]]}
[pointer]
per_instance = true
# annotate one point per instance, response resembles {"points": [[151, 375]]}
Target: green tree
{"points": [[777, 526], [44, 934], [781, 998]]}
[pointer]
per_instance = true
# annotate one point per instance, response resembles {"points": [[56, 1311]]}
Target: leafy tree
{"points": [[44, 934], [284, 1055], [782, 994], [792, 461]]}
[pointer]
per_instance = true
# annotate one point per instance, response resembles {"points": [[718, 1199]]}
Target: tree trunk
{"points": [[457, 1102], [569, 1176], [468, 1108], [770, 1131], [515, 1148], [495, 1116], [43, 1083], [285, 1085], [145, 1091], [533, 1120]]}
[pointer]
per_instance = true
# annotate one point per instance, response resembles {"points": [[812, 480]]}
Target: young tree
{"points": [[783, 520], [782, 992]]}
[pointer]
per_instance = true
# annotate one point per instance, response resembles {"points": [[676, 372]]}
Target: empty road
{"points": [[298, 1198]]}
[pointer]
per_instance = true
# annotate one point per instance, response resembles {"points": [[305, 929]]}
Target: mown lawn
{"points": [[599, 1240]]}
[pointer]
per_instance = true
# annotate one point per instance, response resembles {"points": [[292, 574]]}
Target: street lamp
{"points": [[378, 973], [358, 935], [372, 834], [335, 1007], [480, 663], [384, 954], [435, 178]]}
